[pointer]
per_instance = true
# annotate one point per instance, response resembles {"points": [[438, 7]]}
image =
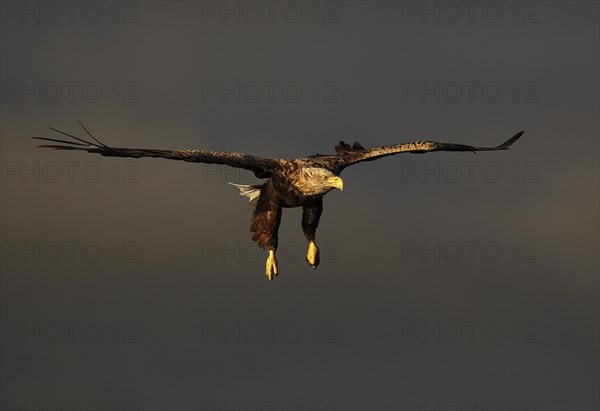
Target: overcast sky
{"points": [[445, 278]]}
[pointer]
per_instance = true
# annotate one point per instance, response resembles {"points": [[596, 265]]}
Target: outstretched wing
{"points": [[262, 167], [356, 153]]}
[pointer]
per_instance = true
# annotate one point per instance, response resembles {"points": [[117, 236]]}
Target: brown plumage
{"points": [[300, 182]]}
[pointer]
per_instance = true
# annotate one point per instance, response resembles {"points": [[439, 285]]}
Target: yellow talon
{"points": [[271, 265], [313, 256]]}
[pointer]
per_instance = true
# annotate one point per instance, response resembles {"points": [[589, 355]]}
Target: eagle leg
{"points": [[311, 214], [271, 265], [265, 225], [313, 255]]}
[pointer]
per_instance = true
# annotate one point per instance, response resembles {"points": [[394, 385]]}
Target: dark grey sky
{"points": [[446, 279]]}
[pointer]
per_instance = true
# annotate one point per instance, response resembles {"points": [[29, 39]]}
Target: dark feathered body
{"points": [[286, 188]]}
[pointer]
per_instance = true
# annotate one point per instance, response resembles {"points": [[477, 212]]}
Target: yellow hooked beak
{"points": [[335, 182]]}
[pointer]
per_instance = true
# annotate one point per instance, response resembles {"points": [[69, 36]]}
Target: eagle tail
{"points": [[252, 192]]}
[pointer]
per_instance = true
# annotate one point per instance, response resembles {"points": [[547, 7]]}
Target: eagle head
{"points": [[317, 180]]}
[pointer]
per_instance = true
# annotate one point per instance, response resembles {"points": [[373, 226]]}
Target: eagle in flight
{"points": [[300, 182]]}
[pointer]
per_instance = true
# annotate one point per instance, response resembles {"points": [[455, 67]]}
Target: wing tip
{"points": [[519, 134], [510, 141]]}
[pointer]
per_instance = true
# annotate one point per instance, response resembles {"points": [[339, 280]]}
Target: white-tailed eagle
{"points": [[300, 182]]}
